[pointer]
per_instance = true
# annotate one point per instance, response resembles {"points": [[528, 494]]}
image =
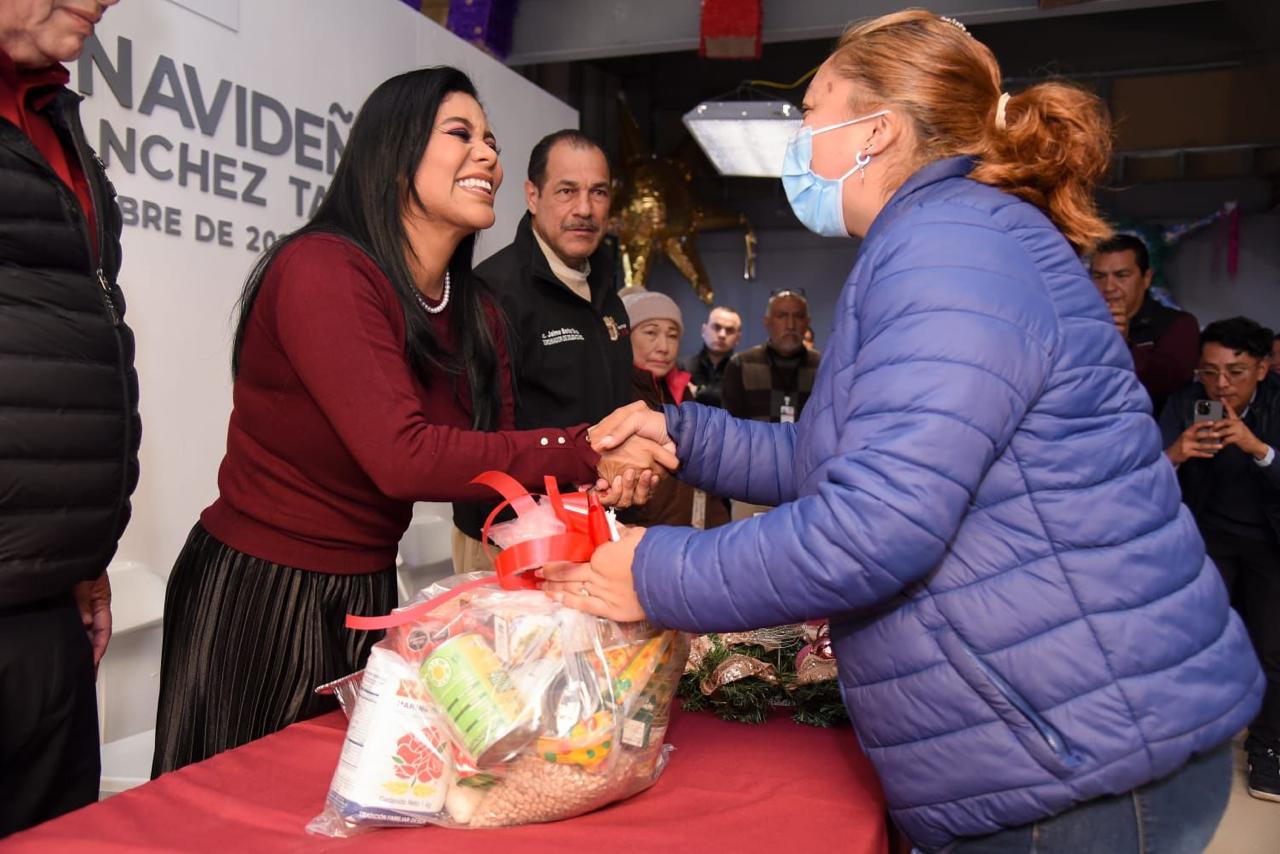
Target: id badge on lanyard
{"points": [[787, 411]]}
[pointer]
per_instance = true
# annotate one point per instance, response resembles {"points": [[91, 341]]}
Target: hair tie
{"points": [[1004, 102]]}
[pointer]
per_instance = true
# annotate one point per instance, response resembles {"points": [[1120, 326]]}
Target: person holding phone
{"points": [[1221, 432]]}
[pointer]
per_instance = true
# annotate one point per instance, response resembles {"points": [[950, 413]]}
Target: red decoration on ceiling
{"points": [[731, 29]]}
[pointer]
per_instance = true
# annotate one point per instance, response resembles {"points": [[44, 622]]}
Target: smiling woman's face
{"points": [[459, 173]]}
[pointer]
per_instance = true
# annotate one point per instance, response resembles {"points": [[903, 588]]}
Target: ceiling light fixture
{"points": [[747, 138]]}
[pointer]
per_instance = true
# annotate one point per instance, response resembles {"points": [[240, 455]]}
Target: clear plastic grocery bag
{"points": [[492, 707]]}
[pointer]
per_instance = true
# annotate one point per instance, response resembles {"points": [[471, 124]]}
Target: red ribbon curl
{"points": [[585, 528]]}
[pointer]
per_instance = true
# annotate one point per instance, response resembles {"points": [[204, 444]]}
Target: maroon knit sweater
{"points": [[332, 437]]}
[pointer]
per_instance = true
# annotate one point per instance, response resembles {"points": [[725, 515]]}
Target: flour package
{"points": [[396, 763]]}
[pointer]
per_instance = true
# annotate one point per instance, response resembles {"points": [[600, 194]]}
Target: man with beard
{"points": [[570, 354], [771, 382]]}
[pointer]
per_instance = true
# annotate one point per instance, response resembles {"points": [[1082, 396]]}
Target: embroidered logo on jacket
{"points": [[563, 335]]}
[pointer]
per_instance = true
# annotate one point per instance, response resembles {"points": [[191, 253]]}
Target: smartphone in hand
{"points": [[1208, 410]]}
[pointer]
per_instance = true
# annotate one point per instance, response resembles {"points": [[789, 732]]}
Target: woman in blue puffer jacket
{"points": [[1033, 648]]}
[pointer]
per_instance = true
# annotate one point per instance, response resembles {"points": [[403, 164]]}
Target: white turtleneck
{"points": [[574, 280]]}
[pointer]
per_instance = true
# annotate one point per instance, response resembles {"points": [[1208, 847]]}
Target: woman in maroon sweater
{"points": [[368, 365]]}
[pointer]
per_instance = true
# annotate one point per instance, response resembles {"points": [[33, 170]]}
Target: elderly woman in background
{"points": [[656, 328]]}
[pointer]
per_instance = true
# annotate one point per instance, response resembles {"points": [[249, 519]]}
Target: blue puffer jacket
{"points": [[976, 495]]}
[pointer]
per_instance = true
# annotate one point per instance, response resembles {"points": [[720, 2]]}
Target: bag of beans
{"points": [[487, 707]]}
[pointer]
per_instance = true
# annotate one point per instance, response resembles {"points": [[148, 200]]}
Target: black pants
{"points": [[1251, 570], [49, 762], [245, 643]]}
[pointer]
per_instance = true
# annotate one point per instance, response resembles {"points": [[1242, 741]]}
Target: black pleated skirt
{"points": [[246, 641]]}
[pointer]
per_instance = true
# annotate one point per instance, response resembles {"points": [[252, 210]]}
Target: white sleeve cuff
{"points": [[1267, 460]]}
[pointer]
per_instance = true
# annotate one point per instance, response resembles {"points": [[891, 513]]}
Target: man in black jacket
{"points": [[1231, 481], [571, 357], [772, 381], [720, 335], [1163, 341], [69, 430]]}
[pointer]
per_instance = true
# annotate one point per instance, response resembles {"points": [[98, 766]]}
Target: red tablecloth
{"points": [[729, 787]]}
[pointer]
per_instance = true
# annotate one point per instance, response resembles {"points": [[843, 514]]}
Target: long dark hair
{"points": [[371, 188]]}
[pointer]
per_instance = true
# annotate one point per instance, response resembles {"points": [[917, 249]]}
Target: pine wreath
{"points": [[740, 676]]}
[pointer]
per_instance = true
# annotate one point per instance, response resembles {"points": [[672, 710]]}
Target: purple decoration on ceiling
{"points": [[488, 24]]}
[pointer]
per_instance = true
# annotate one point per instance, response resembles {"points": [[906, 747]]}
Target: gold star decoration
{"points": [[654, 213]]}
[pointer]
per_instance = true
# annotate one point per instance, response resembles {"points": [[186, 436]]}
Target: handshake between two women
{"points": [[635, 454]]}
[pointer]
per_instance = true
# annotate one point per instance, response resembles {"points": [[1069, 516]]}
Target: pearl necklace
{"points": [[444, 298]]}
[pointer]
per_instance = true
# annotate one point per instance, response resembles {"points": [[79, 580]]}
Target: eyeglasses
{"points": [[1211, 375]]}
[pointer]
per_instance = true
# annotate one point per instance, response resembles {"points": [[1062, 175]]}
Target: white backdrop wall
{"points": [[255, 98]]}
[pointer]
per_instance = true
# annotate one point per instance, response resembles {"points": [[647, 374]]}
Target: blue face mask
{"points": [[818, 202]]}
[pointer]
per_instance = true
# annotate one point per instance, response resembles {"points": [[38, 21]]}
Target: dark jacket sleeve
{"points": [[1176, 416], [1270, 434], [1271, 474], [732, 394], [1169, 363]]}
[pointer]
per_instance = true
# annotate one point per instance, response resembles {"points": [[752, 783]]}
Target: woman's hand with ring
{"points": [[605, 586]]}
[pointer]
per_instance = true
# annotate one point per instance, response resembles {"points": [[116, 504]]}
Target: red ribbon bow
{"points": [[585, 528]]}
